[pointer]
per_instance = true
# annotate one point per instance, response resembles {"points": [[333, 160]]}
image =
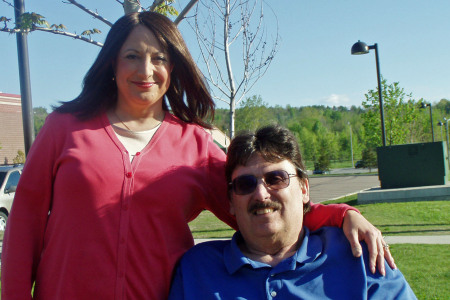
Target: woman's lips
{"points": [[144, 85]]}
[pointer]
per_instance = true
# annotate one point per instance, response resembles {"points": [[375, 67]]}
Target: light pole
{"points": [[424, 105], [362, 48], [24, 76], [351, 143], [441, 124], [446, 131]]}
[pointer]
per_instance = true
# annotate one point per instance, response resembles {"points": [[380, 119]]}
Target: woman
{"points": [[113, 178]]}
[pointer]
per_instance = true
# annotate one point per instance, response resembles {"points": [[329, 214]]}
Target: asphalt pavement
{"points": [[324, 187]]}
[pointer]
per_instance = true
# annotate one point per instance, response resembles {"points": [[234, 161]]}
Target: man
{"points": [[273, 255]]}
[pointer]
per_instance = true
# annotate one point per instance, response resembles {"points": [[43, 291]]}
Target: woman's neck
{"points": [[141, 120]]}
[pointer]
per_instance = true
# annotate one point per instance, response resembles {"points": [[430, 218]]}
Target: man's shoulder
{"points": [[326, 232], [205, 250], [332, 239]]}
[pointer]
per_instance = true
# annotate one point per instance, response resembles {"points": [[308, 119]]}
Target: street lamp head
{"points": [[360, 48], [424, 105]]}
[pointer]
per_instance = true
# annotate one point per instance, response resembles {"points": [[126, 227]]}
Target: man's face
{"points": [[269, 213]]}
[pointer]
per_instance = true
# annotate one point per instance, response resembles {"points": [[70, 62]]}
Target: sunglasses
{"points": [[275, 180]]}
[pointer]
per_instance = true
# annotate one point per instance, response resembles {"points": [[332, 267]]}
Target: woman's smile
{"points": [[143, 84]]}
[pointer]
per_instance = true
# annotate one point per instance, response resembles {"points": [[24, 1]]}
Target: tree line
{"points": [[324, 132]]}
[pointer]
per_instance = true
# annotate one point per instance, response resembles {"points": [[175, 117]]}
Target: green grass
{"points": [[425, 267], [207, 226], [405, 218]]}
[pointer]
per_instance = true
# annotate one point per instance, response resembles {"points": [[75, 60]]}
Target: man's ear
{"points": [[305, 191]]}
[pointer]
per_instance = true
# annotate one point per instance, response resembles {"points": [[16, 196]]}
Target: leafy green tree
{"points": [[308, 142], [314, 125], [369, 156], [400, 111], [39, 115], [253, 113], [20, 157], [444, 106]]}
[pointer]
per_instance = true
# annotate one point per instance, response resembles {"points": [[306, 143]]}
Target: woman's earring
{"points": [[114, 78]]}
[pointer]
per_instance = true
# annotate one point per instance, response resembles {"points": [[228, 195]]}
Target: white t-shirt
{"points": [[134, 141]]}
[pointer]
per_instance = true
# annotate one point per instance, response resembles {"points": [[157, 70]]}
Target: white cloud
{"points": [[336, 100]]}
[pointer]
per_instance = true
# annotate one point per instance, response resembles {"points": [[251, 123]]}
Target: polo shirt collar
{"points": [[234, 259]]}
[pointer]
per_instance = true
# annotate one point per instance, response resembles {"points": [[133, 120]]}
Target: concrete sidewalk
{"points": [[417, 239], [395, 239]]}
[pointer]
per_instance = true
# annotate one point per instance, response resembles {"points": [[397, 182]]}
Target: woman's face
{"points": [[142, 70]]}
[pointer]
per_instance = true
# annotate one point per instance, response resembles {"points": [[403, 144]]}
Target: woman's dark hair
{"points": [[188, 93], [274, 143]]}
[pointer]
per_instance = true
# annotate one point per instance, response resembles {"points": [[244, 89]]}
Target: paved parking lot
{"points": [[330, 187]]}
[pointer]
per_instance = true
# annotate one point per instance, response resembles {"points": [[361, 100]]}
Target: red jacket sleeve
{"points": [[326, 215], [24, 235]]}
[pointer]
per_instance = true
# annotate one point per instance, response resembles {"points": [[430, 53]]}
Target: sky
{"points": [[313, 65]]}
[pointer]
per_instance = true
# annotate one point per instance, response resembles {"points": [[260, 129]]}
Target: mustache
{"points": [[262, 205]]}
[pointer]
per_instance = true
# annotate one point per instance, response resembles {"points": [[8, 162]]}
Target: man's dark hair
{"points": [[274, 143]]}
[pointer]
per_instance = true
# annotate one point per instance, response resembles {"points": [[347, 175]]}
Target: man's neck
{"points": [[270, 251]]}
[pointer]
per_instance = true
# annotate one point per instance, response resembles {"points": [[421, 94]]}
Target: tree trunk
{"points": [[229, 69], [232, 117]]}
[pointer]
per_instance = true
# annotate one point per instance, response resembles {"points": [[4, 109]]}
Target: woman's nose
{"points": [[147, 68]]}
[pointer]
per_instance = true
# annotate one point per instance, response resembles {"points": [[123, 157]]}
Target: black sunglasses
{"points": [[275, 180]]}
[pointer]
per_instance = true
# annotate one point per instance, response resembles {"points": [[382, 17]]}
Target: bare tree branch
{"points": [[7, 3], [184, 12], [94, 14], [243, 27], [54, 31]]}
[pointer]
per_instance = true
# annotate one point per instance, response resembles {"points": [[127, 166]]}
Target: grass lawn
{"points": [[405, 218], [426, 268]]}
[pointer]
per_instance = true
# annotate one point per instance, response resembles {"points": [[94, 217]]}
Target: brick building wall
{"points": [[11, 128]]}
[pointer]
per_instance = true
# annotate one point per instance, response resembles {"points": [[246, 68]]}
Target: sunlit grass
{"points": [[425, 267], [405, 218]]}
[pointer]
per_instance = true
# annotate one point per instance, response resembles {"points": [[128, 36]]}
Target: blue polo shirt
{"points": [[322, 268]]}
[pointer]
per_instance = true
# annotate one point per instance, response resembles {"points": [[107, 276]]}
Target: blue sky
{"points": [[312, 67]]}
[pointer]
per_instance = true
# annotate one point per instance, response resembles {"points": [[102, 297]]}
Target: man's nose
{"points": [[261, 192]]}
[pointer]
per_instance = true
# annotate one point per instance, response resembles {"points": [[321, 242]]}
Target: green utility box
{"points": [[412, 165]]}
